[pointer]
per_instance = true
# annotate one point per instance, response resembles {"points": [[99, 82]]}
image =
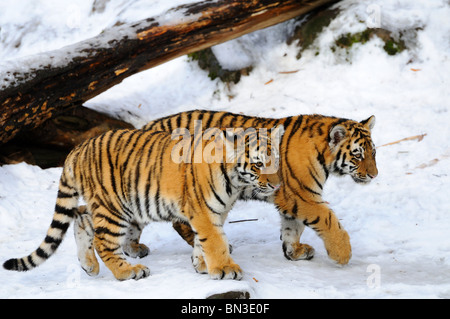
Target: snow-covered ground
{"points": [[399, 224]]}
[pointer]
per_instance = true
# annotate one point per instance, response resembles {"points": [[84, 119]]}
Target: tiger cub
{"points": [[129, 178], [312, 148]]}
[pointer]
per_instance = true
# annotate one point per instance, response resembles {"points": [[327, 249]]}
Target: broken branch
{"points": [[411, 138]]}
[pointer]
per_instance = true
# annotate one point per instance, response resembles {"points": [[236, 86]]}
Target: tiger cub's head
{"points": [[354, 151], [257, 165]]}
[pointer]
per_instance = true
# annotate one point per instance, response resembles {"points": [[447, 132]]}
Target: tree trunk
{"points": [[49, 144], [58, 80]]}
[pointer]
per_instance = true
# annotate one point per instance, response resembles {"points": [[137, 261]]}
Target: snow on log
{"points": [[36, 88]]}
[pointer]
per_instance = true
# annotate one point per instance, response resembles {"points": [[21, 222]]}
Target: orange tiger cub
{"points": [[129, 178], [312, 148]]}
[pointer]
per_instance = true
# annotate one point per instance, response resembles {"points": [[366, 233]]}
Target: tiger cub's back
{"points": [[207, 119]]}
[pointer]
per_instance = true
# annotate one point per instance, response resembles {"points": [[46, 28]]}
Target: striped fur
{"points": [[128, 178], [312, 148]]}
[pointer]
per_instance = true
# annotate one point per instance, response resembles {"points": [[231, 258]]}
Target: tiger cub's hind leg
{"points": [[132, 246], [198, 260], [110, 237], [84, 238], [291, 231], [185, 231]]}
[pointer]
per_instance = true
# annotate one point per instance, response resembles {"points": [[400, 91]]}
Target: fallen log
{"points": [[34, 89], [49, 144]]}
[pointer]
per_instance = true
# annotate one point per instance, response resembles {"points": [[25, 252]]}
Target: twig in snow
{"points": [[416, 137], [242, 220], [288, 72]]}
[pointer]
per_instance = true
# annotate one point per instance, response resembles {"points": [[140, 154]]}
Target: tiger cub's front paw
{"points": [[338, 247], [90, 265], [131, 272], [199, 264], [229, 271], [136, 250], [298, 251]]}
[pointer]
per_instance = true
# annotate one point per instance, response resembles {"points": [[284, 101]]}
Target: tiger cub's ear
{"points": [[337, 134], [369, 123]]}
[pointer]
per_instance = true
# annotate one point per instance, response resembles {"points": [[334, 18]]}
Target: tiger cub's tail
{"points": [[65, 208]]}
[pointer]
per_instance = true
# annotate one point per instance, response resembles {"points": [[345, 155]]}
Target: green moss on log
{"points": [[207, 61], [309, 30], [392, 45]]}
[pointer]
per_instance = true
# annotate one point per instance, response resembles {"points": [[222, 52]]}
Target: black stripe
{"points": [[155, 140], [300, 184], [295, 128], [310, 190], [286, 178], [64, 211], [294, 209], [114, 199], [311, 129], [158, 182], [51, 240], [227, 179], [111, 166], [107, 231], [248, 119], [111, 221], [220, 121], [168, 208], [315, 221], [169, 125], [329, 220], [147, 199], [157, 201], [291, 171], [11, 264], [162, 148], [157, 121], [206, 203], [42, 253], [179, 120], [108, 205], [112, 153], [62, 194], [319, 129], [24, 266], [119, 147], [58, 225], [149, 127], [314, 178], [63, 183], [199, 193], [216, 195], [136, 198], [113, 249], [31, 262], [209, 120], [321, 159], [232, 123], [189, 119]]}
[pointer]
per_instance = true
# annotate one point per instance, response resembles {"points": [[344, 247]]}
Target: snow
{"points": [[398, 224]]}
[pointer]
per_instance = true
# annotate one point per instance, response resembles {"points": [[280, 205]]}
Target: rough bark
{"points": [[49, 144]]}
